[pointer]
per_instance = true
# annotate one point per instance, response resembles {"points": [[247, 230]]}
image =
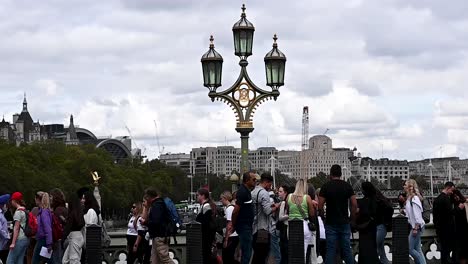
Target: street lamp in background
{"points": [[272, 159], [243, 96], [191, 187], [234, 181]]}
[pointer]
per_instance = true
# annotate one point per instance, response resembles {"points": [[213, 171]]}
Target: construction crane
{"points": [[157, 139], [305, 142], [130, 134]]}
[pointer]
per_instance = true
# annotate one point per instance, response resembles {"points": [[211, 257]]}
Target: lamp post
{"points": [[243, 96]]}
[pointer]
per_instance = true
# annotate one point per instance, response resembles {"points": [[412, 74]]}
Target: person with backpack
{"points": [[301, 207], [383, 221], [366, 225], [444, 222], [73, 232], [207, 218], [44, 228], [231, 239], [414, 210], [59, 218], [157, 222], [4, 232]]}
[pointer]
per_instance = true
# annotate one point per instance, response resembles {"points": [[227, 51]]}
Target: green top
{"points": [[294, 212]]}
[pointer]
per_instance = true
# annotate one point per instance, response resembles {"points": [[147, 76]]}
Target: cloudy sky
{"points": [[388, 77]]}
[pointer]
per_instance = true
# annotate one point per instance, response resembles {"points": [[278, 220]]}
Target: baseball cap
{"points": [[4, 198], [17, 196]]}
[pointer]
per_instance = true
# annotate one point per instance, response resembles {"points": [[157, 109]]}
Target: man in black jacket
{"points": [[158, 218], [444, 222]]}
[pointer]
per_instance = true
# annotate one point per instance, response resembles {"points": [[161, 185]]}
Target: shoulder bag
{"points": [[310, 224], [263, 236]]}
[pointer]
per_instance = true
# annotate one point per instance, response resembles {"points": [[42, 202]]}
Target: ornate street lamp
{"points": [[243, 96]]}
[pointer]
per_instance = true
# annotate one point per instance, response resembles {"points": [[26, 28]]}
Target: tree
{"points": [[319, 180]]}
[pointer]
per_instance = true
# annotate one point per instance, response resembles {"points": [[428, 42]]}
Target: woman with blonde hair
{"points": [[414, 211], [301, 207], [44, 228]]}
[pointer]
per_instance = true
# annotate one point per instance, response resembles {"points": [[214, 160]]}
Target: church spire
{"points": [[25, 104]]}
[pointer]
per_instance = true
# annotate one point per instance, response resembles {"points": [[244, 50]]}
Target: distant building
{"points": [[381, 169], [180, 160], [318, 158], [442, 169], [224, 160], [24, 130]]}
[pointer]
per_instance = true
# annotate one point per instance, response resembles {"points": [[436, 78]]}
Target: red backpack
{"points": [[30, 229], [57, 228]]}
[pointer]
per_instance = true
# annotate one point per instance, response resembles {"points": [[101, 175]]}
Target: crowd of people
{"points": [[255, 227], [52, 231]]}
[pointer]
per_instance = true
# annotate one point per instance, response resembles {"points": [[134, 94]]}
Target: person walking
{"points": [[157, 221], [20, 242], [44, 228], [383, 221], [444, 222], [132, 232], [59, 209], [263, 208], [207, 218], [4, 232], [231, 239], [282, 224], [143, 247], [74, 232], [461, 226], [243, 216], [337, 195], [301, 207], [414, 209], [366, 225]]}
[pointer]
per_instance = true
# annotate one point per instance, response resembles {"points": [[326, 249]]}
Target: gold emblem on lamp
{"points": [[96, 177]]}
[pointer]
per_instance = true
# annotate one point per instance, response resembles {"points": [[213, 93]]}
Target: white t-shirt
{"points": [[20, 216], [131, 231], [228, 215], [91, 218]]}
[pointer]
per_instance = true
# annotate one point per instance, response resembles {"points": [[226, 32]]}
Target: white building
{"points": [[381, 169], [318, 158], [223, 160], [443, 169]]}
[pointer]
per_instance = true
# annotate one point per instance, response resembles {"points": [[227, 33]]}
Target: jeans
{"points": [[37, 251], [245, 241], [57, 253], [275, 250], [415, 247], [338, 234], [16, 256], [381, 233]]}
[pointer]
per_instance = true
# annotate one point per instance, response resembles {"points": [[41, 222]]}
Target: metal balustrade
{"points": [[117, 252]]}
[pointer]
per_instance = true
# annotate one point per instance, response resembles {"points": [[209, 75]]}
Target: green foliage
{"points": [[46, 165], [319, 180]]}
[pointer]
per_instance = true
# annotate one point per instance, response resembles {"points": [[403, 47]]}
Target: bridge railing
{"points": [[117, 252]]}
